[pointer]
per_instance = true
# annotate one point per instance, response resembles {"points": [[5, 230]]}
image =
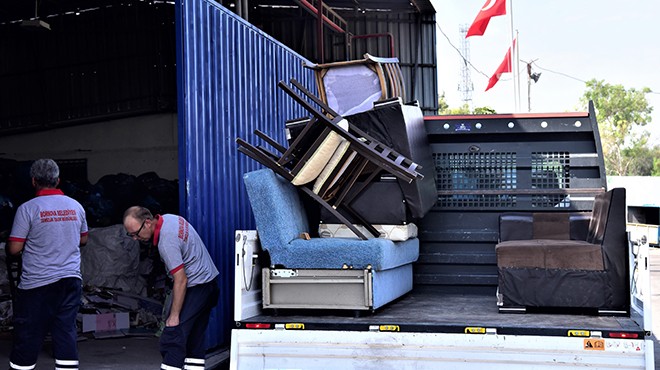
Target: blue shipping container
{"points": [[227, 74]]}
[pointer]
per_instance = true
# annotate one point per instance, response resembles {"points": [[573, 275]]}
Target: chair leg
{"points": [[313, 97], [270, 141], [259, 156]]}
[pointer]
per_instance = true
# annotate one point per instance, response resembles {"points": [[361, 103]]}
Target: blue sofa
{"points": [[282, 224]]}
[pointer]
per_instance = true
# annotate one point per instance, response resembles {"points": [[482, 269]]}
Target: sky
{"points": [[569, 43]]}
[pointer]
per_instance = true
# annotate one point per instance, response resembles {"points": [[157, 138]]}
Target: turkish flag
{"points": [[492, 8], [505, 67]]}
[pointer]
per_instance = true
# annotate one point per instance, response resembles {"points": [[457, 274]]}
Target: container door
{"points": [[640, 281], [247, 276], [640, 290]]}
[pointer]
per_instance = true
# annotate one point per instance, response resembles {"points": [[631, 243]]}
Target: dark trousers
{"points": [[184, 343], [50, 308]]}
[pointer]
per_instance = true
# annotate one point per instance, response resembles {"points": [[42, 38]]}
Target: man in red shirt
{"points": [[195, 288]]}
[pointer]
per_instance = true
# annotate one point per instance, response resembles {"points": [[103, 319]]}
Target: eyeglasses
{"points": [[132, 235]]}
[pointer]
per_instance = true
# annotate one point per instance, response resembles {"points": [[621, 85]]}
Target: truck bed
{"points": [[427, 310]]}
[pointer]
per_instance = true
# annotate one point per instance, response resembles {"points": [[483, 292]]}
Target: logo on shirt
{"points": [[59, 215], [183, 229]]}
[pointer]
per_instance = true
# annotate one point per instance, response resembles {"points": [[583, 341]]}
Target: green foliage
{"points": [[484, 110], [442, 103], [622, 113], [656, 166], [443, 108], [463, 109]]}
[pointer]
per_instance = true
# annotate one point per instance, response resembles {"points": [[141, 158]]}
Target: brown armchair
{"points": [[543, 263]]}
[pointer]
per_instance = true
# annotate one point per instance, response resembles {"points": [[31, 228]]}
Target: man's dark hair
{"points": [[45, 173]]}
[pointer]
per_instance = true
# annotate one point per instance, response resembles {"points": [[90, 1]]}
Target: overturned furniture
{"points": [[351, 87], [322, 273], [542, 265], [331, 160]]}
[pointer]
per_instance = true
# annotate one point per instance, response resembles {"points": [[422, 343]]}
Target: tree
{"points": [[442, 103], [622, 114], [443, 108]]}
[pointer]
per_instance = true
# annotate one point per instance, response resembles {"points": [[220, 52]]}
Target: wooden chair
{"points": [[351, 87], [327, 158]]}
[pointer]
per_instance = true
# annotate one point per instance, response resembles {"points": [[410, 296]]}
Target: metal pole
{"points": [[319, 31], [529, 88], [517, 67], [239, 8], [514, 60]]}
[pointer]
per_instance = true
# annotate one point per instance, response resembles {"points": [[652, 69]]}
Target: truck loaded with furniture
{"points": [[392, 240]]}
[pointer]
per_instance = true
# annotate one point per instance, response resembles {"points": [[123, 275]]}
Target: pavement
{"points": [[124, 353]]}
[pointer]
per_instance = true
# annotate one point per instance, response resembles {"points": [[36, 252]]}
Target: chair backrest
{"points": [[278, 211], [402, 128]]}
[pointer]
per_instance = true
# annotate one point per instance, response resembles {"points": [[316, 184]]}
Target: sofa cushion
{"points": [[321, 156], [522, 226], [333, 253], [547, 225], [549, 254]]}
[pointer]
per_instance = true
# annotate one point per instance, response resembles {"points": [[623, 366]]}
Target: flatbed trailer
{"points": [[486, 165], [431, 328]]}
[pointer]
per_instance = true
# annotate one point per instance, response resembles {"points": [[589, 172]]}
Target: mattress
{"points": [[391, 232]]}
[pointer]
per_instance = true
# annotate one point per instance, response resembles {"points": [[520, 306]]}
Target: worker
{"points": [[194, 289], [48, 230]]}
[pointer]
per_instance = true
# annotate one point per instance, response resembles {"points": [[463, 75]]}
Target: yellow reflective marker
{"points": [[294, 326], [475, 330], [389, 328], [579, 333]]}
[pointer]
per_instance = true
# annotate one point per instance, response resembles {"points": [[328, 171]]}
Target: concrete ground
{"points": [[125, 353]]}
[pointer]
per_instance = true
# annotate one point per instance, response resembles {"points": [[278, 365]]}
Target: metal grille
{"points": [[551, 170], [466, 179]]}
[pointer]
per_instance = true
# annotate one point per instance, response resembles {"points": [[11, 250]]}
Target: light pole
{"points": [[531, 76]]}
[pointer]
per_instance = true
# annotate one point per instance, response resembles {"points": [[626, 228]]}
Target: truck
{"points": [[487, 166]]}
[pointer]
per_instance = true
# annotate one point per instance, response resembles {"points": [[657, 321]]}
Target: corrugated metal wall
{"points": [[108, 62], [414, 44], [227, 76], [413, 34]]}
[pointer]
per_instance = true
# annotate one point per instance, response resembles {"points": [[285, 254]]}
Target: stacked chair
{"points": [[328, 157], [344, 158]]}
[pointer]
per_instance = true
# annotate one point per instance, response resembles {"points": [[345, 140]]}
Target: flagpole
{"points": [[518, 68], [514, 60]]}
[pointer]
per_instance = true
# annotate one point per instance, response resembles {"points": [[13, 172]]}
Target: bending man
{"points": [[194, 291]]}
